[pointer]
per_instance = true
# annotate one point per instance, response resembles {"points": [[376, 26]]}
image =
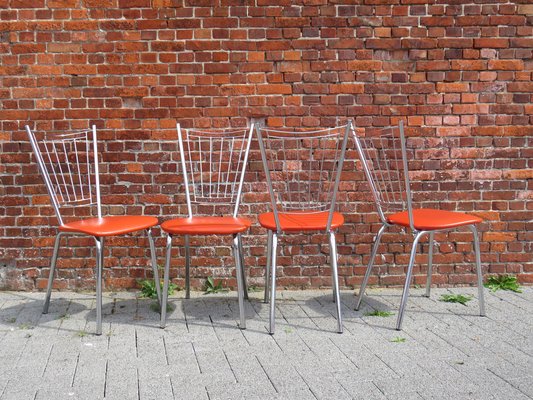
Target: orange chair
{"points": [[383, 154], [302, 172], [68, 162], [213, 163]]}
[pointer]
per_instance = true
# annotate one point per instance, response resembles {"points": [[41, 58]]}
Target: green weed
{"points": [[210, 287], [503, 282], [378, 313], [148, 289], [398, 339], [456, 298]]}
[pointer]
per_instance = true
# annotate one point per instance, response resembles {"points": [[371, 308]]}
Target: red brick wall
{"points": [[459, 73]]}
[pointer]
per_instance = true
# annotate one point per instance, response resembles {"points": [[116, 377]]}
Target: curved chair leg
{"points": [[369, 267], [52, 273], [154, 265], [335, 275], [243, 268], [239, 273], [99, 268], [187, 268], [272, 326], [268, 262], [479, 271], [164, 295], [408, 279], [430, 264]]}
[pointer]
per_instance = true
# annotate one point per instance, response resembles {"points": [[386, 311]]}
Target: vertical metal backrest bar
{"points": [[406, 178], [96, 173], [287, 179], [191, 166], [391, 158], [64, 192], [239, 192], [210, 187], [184, 170], [338, 177], [74, 143], [239, 159], [221, 153], [44, 173], [88, 163], [371, 181], [67, 161], [269, 181], [200, 161], [311, 162], [229, 167]]}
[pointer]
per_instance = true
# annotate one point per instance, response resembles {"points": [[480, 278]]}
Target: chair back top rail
{"points": [[383, 155], [68, 162], [303, 168], [213, 164]]}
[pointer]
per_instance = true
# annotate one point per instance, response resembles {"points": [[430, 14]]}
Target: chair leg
{"points": [[268, 262], [273, 251], [430, 264], [164, 295], [154, 265], [335, 275], [408, 279], [240, 280], [369, 267], [99, 269], [187, 268], [479, 271], [243, 268], [52, 273]]}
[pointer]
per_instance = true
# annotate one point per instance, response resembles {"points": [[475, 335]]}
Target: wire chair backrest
{"points": [[384, 159], [213, 163], [68, 162], [303, 168]]}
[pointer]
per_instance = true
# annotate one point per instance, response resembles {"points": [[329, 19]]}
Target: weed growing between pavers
{"points": [[378, 313], [456, 298], [211, 288], [148, 289], [503, 282], [398, 339]]}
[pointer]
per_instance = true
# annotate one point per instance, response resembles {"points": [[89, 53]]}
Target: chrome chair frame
{"points": [[381, 202], [67, 188], [298, 205], [212, 197]]}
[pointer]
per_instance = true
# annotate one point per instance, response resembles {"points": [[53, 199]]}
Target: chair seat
{"points": [[206, 226], [427, 219], [110, 226], [301, 221]]}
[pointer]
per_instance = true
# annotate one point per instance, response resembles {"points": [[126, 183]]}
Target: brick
{"points": [[512, 65]]}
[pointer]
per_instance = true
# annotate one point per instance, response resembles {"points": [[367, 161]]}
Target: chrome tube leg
{"points": [[430, 264], [187, 268], [240, 286], [52, 273], [335, 274], [154, 266], [479, 271], [99, 269], [369, 267], [272, 326], [243, 268], [268, 262], [166, 278], [408, 279]]}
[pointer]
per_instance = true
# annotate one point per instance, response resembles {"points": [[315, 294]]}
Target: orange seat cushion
{"points": [[110, 226], [427, 219], [206, 226], [302, 221]]}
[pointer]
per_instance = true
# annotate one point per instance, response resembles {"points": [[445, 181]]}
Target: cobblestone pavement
{"points": [[446, 351]]}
